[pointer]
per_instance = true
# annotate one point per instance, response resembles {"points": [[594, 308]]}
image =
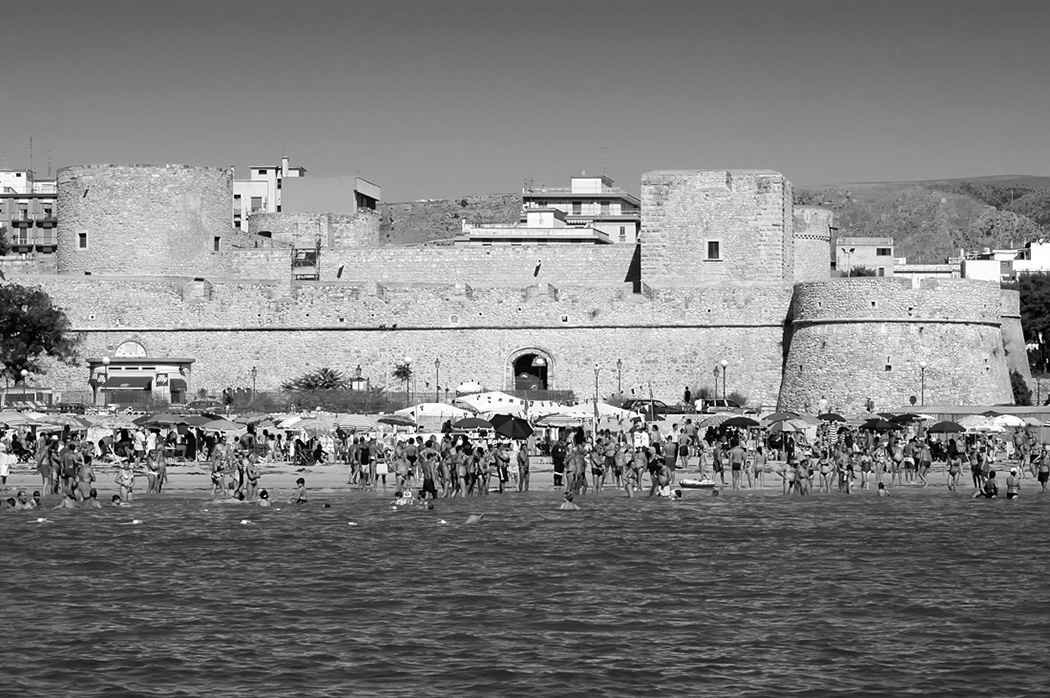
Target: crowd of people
{"points": [[647, 457]]}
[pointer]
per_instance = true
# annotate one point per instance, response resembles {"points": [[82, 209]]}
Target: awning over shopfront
{"points": [[177, 384], [128, 382]]}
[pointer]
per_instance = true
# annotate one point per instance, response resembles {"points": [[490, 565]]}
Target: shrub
{"points": [[1022, 393]]}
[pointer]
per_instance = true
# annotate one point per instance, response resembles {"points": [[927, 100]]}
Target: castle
{"points": [[729, 285]]}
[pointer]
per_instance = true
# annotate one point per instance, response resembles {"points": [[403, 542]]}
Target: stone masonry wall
{"points": [[748, 212], [1013, 335], [852, 339], [335, 230], [812, 237], [672, 337], [502, 265], [153, 219]]}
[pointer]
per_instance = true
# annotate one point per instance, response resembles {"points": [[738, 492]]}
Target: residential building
{"points": [[28, 212], [869, 253], [591, 201], [542, 226], [261, 192]]}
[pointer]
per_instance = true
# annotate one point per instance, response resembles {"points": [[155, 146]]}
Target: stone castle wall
{"points": [[334, 230], [747, 212], [812, 237], [152, 219], [1013, 335], [501, 265], [671, 337], [852, 339]]}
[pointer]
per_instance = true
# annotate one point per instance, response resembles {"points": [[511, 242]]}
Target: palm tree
{"points": [[403, 372]]}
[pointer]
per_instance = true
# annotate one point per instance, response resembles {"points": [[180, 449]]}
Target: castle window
{"points": [[713, 251], [888, 367], [882, 271], [217, 241], [82, 241]]}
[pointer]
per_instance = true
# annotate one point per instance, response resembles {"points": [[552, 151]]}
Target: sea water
{"points": [[926, 594]]}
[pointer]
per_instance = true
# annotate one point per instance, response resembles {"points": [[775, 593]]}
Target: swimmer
{"points": [[568, 504], [35, 502], [68, 502], [118, 502], [990, 489], [22, 501], [881, 491], [299, 496], [1013, 484], [264, 498], [474, 518], [677, 494], [92, 501]]}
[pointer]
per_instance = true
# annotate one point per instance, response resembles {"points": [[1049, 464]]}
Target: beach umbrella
{"points": [[222, 425], [437, 410], [906, 418], [195, 420], [1009, 421], [560, 420], [879, 425], [1033, 422], [714, 420], [355, 422], [15, 419], [788, 425], [739, 422], [397, 420], [468, 423], [831, 417], [142, 419], [946, 427], [511, 427], [163, 419], [65, 420]]}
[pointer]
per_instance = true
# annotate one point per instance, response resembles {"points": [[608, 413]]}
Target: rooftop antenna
{"points": [[49, 164], [605, 169], [30, 153]]}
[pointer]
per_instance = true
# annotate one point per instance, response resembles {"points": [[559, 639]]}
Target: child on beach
{"points": [[299, 496]]}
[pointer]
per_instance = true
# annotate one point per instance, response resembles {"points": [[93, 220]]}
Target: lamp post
{"points": [[724, 364], [597, 371], [437, 379], [254, 373], [619, 378], [24, 374], [105, 380], [922, 382], [408, 379]]}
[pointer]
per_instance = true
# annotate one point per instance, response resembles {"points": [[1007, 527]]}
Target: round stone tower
{"points": [[885, 339], [812, 235], [142, 219]]}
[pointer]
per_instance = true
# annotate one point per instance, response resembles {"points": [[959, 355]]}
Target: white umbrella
{"points": [[1010, 421], [434, 409]]}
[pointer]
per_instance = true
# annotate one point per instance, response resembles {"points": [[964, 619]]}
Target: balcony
{"points": [[22, 221], [46, 220]]}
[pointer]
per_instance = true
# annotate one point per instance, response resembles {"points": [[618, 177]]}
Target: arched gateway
{"points": [[530, 369]]}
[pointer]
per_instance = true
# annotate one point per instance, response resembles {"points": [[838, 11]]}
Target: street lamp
{"points": [[408, 378], [597, 371], [724, 364], [254, 373], [619, 378], [437, 379], [105, 380], [922, 380], [25, 374]]}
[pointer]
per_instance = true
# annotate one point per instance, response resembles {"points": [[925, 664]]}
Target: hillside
{"points": [[429, 220], [933, 219]]}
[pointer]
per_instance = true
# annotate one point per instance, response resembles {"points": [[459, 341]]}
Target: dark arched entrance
{"points": [[531, 372]]}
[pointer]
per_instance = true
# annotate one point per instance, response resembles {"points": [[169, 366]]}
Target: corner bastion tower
{"points": [[152, 272]]}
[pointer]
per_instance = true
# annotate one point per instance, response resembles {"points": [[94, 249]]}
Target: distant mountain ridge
{"points": [[931, 220]]}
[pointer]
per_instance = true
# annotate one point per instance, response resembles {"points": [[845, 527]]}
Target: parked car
{"points": [[715, 405], [645, 406], [204, 406]]}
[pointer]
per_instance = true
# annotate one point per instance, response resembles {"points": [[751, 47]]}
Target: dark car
{"points": [[647, 406], [203, 406]]}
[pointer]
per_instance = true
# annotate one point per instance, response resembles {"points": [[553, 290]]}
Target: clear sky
{"points": [[440, 98]]}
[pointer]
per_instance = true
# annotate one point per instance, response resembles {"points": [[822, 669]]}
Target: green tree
{"points": [[403, 372], [31, 327], [321, 379], [1034, 290], [862, 271], [5, 242], [1022, 393]]}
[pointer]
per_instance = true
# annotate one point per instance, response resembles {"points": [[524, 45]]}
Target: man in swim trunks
{"points": [[1013, 484], [736, 463]]}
